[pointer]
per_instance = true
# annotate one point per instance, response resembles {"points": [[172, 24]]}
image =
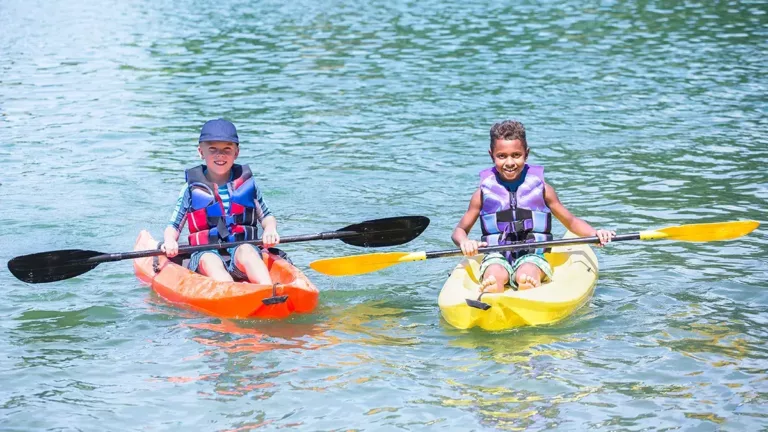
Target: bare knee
{"points": [[528, 276], [247, 252], [212, 266], [499, 273], [211, 261], [531, 270], [248, 256], [497, 270]]}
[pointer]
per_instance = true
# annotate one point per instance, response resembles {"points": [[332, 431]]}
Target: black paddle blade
{"points": [[52, 266], [386, 232]]}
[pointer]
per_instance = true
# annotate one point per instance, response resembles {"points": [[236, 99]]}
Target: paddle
{"points": [[361, 264], [64, 264]]}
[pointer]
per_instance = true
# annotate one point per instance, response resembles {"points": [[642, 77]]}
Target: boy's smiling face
{"points": [[509, 157], [219, 156]]}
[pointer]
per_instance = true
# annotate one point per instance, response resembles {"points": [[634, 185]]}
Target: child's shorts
{"points": [[497, 258], [229, 262]]}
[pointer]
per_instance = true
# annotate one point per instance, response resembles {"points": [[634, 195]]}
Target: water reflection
{"points": [[509, 408], [517, 347], [239, 356]]}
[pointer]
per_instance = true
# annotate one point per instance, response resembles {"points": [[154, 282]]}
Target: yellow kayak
{"points": [[573, 283]]}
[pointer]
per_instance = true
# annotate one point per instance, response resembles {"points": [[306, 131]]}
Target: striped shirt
{"points": [[184, 205]]}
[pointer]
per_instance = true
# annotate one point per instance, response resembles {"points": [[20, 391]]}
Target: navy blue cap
{"points": [[219, 130]]}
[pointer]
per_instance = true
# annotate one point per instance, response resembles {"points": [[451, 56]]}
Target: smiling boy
{"points": [[515, 204], [222, 203]]}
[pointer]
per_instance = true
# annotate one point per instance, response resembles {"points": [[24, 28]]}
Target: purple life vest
{"points": [[508, 217]]}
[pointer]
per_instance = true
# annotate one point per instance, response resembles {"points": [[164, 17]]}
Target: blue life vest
{"points": [[209, 222]]}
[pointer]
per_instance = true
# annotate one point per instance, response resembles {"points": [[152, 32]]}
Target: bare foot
{"points": [[525, 282], [489, 285]]}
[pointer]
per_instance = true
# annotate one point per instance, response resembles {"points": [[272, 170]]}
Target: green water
{"points": [[645, 114]]}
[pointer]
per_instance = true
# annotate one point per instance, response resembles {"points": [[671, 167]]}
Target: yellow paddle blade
{"points": [[702, 232], [361, 264]]}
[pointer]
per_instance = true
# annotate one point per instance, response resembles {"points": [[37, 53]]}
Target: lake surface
{"points": [[645, 115]]}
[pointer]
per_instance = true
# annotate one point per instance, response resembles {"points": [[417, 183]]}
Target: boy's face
{"points": [[509, 158], [219, 156]]}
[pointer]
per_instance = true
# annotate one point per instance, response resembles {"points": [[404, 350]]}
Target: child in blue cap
{"points": [[222, 203]]}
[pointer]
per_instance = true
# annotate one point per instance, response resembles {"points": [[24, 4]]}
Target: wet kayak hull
{"points": [[575, 272], [182, 287]]}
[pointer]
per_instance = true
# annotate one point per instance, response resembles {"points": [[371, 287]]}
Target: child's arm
{"points": [[176, 223], [572, 223], [171, 241], [270, 237], [267, 221], [460, 233]]}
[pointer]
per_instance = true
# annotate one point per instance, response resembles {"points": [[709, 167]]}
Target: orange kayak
{"points": [[293, 293]]}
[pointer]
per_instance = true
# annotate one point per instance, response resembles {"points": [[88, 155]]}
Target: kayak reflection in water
{"points": [[515, 204], [221, 202]]}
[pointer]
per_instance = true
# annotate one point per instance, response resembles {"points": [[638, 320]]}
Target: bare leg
{"points": [[249, 261], [528, 276], [494, 279], [212, 266]]}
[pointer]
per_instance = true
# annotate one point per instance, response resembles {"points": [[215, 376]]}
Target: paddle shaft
{"points": [[536, 245], [367, 263], [58, 265], [329, 235]]}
